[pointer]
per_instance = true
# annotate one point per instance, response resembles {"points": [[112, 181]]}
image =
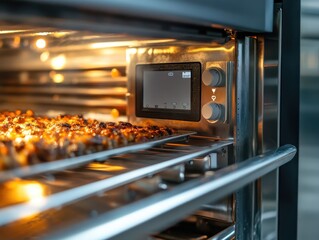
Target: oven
{"points": [[214, 79]]}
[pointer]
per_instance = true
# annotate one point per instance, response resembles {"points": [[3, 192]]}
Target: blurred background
{"points": [[308, 219]]}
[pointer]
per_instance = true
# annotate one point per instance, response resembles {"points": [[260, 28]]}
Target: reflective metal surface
{"points": [[220, 211], [189, 20], [268, 128], [230, 13], [205, 54], [289, 118], [58, 76], [227, 234], [91, 15], [161, 210], [246, 132], [147, 166], [308, 207]]}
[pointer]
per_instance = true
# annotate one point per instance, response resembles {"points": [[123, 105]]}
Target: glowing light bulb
{"points": [[41, 43]]}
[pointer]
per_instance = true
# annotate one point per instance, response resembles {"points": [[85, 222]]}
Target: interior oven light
{"points": [[41, 43]]}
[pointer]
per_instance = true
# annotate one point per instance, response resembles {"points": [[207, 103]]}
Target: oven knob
{"points": [[212, 111], [214, 77]]}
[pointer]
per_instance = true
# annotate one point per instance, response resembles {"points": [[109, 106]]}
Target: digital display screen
{"points": [[167, 89]]}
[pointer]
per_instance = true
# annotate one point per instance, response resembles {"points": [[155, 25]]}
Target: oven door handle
{"points": [[159, 211]]}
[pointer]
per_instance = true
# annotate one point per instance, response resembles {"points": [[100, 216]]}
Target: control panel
{"points": [[190, 88], [216, 91]]}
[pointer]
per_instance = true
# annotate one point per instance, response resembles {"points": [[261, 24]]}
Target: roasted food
{"points": [[27, 139]]}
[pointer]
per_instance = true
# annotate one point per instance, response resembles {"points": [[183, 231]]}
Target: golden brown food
{"points": [[28, 139]]}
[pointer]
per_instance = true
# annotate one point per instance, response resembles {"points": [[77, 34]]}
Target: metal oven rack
{"points": [[161, 210], [64, 164], [102, 195]]}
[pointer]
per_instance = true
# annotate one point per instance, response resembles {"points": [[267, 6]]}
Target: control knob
{"points": [[213, 77], [212, 111]]}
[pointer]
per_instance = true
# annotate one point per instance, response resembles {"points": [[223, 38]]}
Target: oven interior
{"points": [[55, 71]]}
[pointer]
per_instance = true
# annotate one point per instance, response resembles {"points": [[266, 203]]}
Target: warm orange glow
{"points": [[99, 45], [34, 192], [105, 167], [58, 62], [94, 73], [51, 74], [129, 52], [24, 191], [40, 43], [212, 49], [11, 31], [169, 50], [115, 113], [115, 73], [44, 56], [58, 78], [62, 34], [16, 42]]}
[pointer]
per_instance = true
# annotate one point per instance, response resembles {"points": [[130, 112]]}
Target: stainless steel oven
{"points": [[205, 69]]}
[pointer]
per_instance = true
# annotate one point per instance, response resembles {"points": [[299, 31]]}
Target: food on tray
{"points": [[28, 139]]}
